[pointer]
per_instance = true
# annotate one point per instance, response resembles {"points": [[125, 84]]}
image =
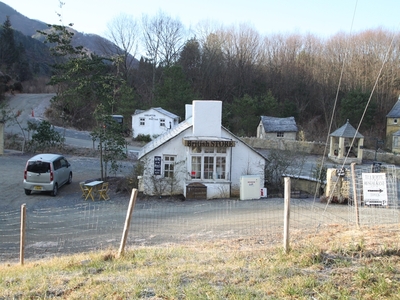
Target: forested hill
{"points": [[20, 22], [321, 82]]}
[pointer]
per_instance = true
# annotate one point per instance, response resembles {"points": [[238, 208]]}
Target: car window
{"points": [[38, 167], [57, 164], [64, 163]]}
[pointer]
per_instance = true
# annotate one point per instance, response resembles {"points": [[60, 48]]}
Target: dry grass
{"points": [[335, 263]]}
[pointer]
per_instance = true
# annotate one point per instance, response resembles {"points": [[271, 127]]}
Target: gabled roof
{"points": [[158, 109], [346, 131], [172, 133], [395, 111], [272, 124], [162, 139]]}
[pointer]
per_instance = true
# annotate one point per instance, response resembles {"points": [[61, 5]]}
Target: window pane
{"points": [[196, 167], [208, 167], [208, 150], [221, 167], [169, 166]]}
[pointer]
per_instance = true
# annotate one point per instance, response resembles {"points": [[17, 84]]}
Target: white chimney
{"points": [[207, 117], [188, 111]]}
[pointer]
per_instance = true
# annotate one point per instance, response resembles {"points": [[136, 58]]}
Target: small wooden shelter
{"points": [[341, 148]]}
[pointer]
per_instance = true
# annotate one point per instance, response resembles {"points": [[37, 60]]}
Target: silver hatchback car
{"points": [[46, 172]]}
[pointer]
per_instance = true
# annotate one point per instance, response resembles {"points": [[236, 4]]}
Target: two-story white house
{"points": [[154, 122]]}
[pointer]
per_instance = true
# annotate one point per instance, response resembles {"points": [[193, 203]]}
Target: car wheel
{"points": [[69, 178], [28, 192], [55, 190]]}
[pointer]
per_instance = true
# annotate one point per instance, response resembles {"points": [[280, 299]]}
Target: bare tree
{"points": [[163, 39], [123, 31], [242, 52]]}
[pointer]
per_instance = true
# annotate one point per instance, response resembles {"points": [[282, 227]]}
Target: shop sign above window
{"points": [[208, 143]]}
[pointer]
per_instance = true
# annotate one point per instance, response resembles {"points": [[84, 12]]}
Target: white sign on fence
{"points": [[374, 188]]}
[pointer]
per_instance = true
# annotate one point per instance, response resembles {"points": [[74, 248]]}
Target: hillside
{"points": [[28, 27]]}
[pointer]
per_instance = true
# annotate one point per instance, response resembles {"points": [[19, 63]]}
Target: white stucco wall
{"points": [[172, 147], [245, 162]]}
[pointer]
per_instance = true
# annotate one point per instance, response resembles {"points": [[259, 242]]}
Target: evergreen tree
{"points": [[8, 51], [83, 81], [175, 91], [352, 108]]}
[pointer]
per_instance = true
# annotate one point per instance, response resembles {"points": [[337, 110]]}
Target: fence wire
{"points": [[375, 214], [99, 225]]}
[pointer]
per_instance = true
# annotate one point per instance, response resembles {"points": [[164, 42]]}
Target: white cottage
{"points": [[154, 122], [199, 156]]}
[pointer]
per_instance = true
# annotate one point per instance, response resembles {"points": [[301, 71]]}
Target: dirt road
{"points": [[30, 106]]}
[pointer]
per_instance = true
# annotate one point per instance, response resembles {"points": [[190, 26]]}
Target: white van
{"points": [[46, 172]]}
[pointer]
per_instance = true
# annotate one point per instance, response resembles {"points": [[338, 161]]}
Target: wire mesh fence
{"points": [[89, 226]]}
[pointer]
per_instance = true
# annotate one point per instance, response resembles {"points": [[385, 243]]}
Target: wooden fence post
{"points": [[127, 222], [286, 216], [22, 234]]}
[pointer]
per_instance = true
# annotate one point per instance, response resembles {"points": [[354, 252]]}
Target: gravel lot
{"points": [[66, 223], [11, 176]]}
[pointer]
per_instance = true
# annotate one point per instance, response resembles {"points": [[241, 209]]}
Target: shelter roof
{"points": [[347, 131]]}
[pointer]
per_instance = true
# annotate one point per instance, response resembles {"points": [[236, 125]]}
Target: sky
{"points": [[323, 18]]}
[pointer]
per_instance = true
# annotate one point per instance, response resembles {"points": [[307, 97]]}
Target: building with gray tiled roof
{"points": [[393, 128], [277, 128]]}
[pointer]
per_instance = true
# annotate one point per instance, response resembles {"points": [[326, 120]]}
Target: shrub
{"points": [[143, 138]]}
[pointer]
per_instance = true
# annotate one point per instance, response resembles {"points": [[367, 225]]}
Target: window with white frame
{"points": [[162, 122], [169, 165], [395, 142], [208, 163], [279, 134], [142, 121]]}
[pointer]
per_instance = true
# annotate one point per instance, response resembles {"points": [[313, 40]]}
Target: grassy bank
{"points": [[333, 264]]}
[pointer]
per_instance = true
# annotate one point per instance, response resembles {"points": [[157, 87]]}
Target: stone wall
{"points": [[282, 144], [317, 148]]}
